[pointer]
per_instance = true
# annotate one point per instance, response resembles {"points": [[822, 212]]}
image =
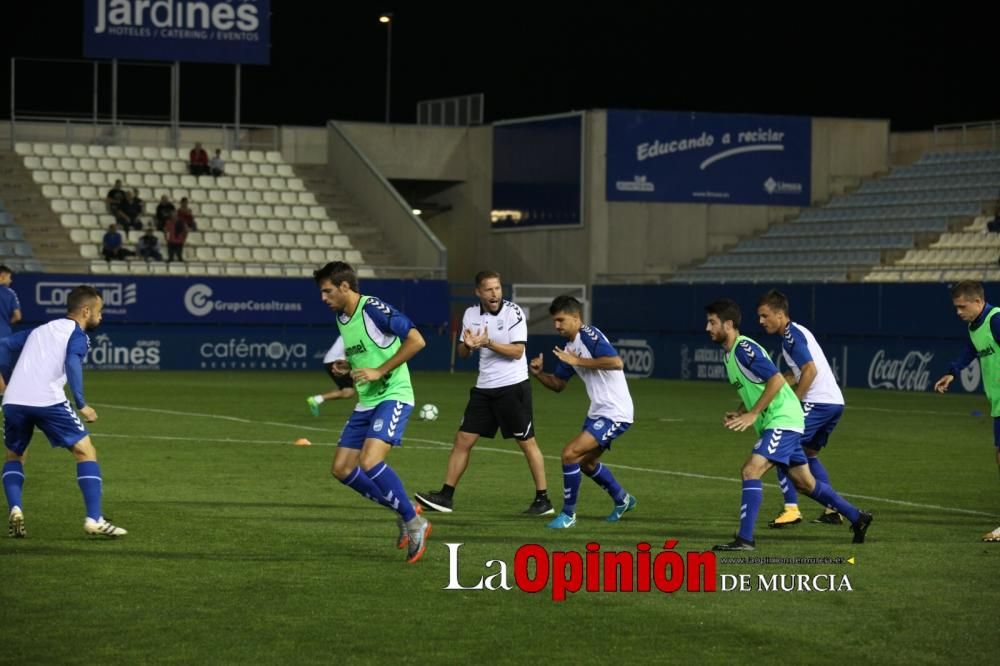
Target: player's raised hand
{"points": [[566, 356], [88, 414], [942, 384], [536, 365]]}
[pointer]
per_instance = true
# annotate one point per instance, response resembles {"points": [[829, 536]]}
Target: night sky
{"points": [[328, 62]]}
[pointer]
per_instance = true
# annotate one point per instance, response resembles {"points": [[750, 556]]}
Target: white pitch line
{"points": [[442, 445]]}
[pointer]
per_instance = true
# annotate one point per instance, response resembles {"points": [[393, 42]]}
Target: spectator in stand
{"points": [[149, 246], [128, 213], [184, 213], [139, 201], [116, 195], [218, 164], [10, 306], [198, 161], [177, 231], [164, 210], [111, 246], [994, 224]]}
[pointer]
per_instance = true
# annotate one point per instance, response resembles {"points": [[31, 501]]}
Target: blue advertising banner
{"points": [[125, 347], [708, 158], [222, 31], [211, 300], [537, 173], [897, 364]]}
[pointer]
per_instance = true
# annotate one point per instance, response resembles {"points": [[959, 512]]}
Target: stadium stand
{"points": [[15, 252], [880, 231], [259, 219]]}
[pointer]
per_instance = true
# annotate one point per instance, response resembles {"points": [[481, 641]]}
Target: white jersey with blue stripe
{"points": [[39, 378], [607, 389], [799, 346]]}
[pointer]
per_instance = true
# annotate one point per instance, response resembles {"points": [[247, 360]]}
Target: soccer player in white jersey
{"points": [[816, 388], [501, 398], [50, 356], [588, 354], [339, 370]]}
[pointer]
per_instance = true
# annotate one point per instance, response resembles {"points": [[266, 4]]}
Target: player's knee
{"points": [[750, 473], [341, 469]]}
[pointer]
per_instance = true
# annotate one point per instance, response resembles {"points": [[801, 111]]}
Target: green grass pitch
{"points": [[242, 549]]}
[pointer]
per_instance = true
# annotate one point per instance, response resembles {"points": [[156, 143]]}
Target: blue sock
{"points": [[603, 477], [818, 471], [828, 497], [571, 488], [359, 482], [13, 482], [787, 487], [392, 489], [88, 477], [753, 492]]}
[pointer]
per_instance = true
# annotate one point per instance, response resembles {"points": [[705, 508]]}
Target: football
{"points": [[428, 412]]}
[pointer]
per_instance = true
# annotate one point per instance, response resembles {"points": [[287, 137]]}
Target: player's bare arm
{"points": [[744, 421], [413, 343], [547, 380]]}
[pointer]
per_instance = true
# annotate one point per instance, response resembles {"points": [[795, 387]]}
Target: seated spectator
{"points": [[149, 246], [177, 232], [184, 213], [128, 213], [111, 245], [116, 195], [164, 210], [217, 164], [994, 224], [198, 161], [139, 201]]}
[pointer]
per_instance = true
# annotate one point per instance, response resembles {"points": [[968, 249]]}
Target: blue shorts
{"points": [[782, 447], [996, 431], [386, 422], [605, 430], [821, 419], [60, 424]]}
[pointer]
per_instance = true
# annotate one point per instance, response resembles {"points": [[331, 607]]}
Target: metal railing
{"points": [[986, 133], [141, 132]]}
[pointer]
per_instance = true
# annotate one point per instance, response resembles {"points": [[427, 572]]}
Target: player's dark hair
{"points": [[337, 272], [4, 268], [567, 304], [485, 275], [81, 297], [968, 289], [775, 300], [725, 309]]}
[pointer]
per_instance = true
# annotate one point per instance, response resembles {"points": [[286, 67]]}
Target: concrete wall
{"points": [[618, 240]]}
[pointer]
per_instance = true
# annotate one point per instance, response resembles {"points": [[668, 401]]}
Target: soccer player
{"points": [[50, 356], [589, 354], [10, 307], [970, 304], [501, 398], [770, 406], [816, 388], [339, 370], [378, 341]]}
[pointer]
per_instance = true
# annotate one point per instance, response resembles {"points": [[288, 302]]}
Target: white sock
{"points": [[319, 399]]}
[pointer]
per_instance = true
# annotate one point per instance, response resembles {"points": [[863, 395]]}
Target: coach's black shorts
{"points": [[507, 409]]}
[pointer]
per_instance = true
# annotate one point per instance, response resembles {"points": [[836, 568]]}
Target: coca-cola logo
{"points": [[906, 374]]}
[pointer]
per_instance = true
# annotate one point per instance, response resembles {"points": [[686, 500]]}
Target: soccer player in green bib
{"points": [[378, 341], [970, 303], [770, 406]]}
